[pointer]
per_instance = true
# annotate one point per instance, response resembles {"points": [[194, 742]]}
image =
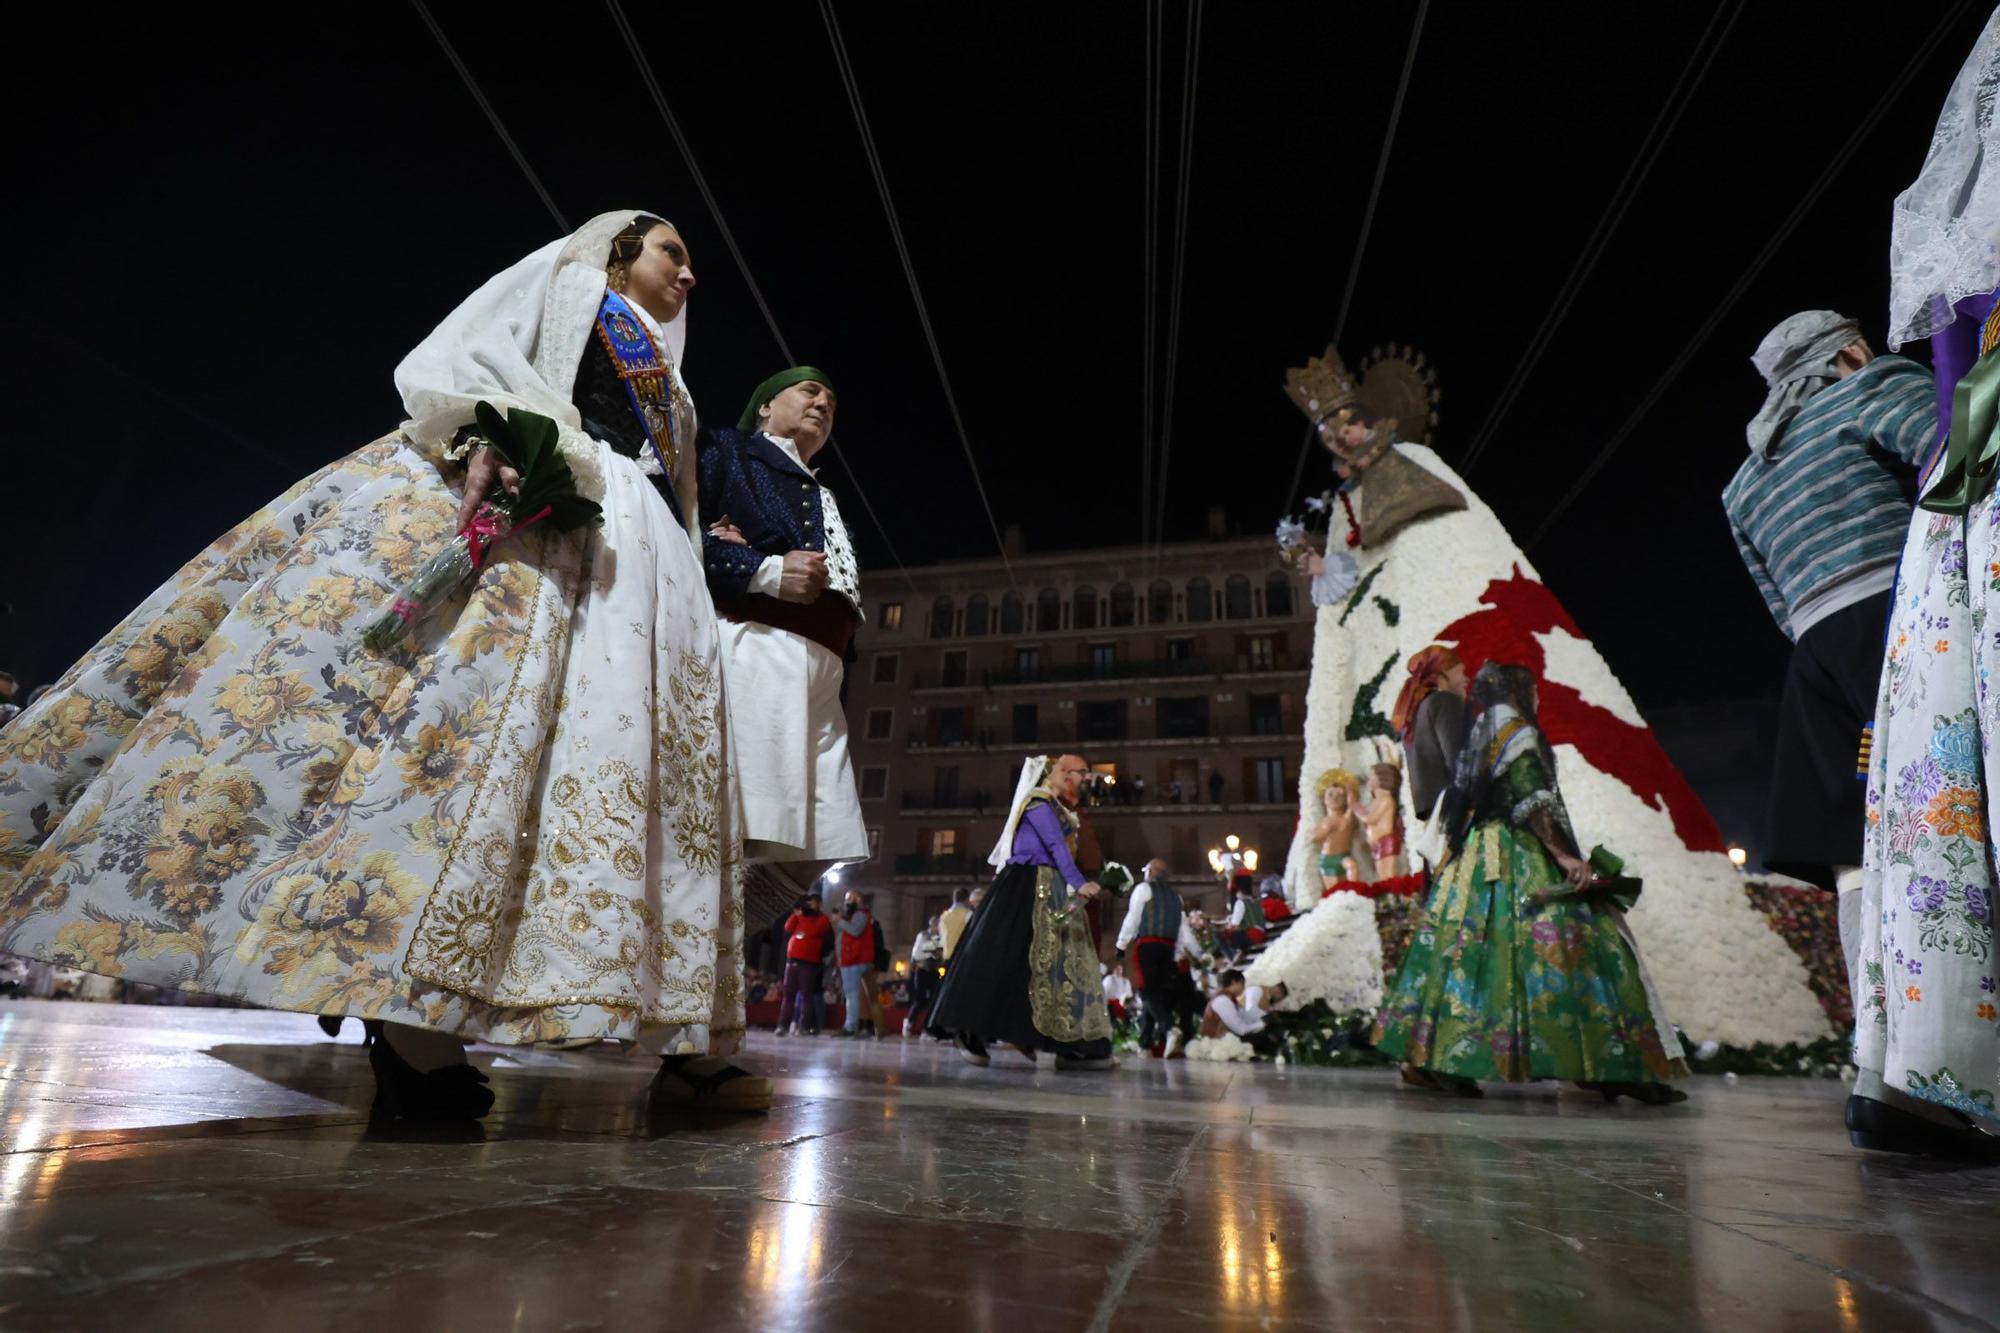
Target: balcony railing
{"points": [[1074, 672], [942, 680], [976, 801], [1084, 673], [1064, 733], [920, 864]]}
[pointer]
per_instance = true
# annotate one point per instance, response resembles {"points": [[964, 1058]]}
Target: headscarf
{"points": [[1427, 671], [1033, 782], [1796, 360], [776, 385], [518, 340], [1501, 695], [1944, 231]]}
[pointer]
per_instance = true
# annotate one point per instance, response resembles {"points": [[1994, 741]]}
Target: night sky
{"points": [[226, 241]]}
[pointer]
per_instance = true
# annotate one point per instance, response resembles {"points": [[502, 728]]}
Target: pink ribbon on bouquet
{"points": [[488, 526]]}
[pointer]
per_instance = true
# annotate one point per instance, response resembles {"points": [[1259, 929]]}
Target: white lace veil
{"points": [[518, 340], [1034, 773], [1944, 237]]}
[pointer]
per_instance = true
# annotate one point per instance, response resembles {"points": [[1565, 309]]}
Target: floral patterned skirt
{"points": [[512, 826], [1497, 985], [1924, 989]]}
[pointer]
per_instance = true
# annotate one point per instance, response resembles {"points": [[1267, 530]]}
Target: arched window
{"points": [[1048, 610], [1124, 605], [1160, 603], [1277, 593], [1200, 601], [1236, 597], [941, 618], [1083, 608], [977, 617], [1013, 615]]}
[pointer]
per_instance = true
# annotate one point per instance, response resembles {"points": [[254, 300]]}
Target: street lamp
{"points": [[1236, 856], [1738, 857]]}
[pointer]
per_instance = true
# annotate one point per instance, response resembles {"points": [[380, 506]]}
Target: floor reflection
{"points": [[204, 1168]]}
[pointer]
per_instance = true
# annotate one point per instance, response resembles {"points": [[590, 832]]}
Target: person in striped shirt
{"points": [[1819, 511]]}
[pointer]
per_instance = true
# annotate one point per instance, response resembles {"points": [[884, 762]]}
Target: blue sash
{"points": [[649, 382]]}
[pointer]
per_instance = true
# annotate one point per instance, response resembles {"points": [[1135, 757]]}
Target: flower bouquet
{"points": [[1302, 535], [526, 442], [1295, 540]]}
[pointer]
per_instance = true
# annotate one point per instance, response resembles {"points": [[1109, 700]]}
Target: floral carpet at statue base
{"points": [[208, 1168]]}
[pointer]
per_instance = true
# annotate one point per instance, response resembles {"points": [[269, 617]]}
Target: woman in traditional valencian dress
{"points": [[1519, 970], [1025, 972], [1920, 940], [511, 825]]}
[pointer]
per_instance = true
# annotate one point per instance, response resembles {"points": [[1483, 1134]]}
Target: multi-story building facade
{"points": [[1178, 673]]}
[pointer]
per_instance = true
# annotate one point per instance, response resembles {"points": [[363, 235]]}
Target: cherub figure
{"points": [[1335, 835], [1384, 817]]}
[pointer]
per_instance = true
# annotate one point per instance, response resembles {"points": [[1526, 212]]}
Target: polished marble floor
{"points": [[208, 1169]]}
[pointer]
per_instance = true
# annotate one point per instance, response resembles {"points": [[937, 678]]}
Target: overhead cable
{"points": [[1772, 246]]}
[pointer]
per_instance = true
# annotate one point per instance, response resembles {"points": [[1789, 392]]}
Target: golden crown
{"points": [[1323, 387], [1396, 386]]}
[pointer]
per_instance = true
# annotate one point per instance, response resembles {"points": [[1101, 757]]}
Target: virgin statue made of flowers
{"points": [[504, 819]]}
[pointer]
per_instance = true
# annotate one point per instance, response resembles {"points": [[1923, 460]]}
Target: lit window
{"points": [[891, 616]]}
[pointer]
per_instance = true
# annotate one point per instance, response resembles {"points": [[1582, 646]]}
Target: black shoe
{"points": [[456, 1092], [1085, 1063], [973, 1050], [330, 1024], [1885, 1128], [1651, 1094]]}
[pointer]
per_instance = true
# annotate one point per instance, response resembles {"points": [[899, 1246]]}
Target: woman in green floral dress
{"points": [[1521, 968]]}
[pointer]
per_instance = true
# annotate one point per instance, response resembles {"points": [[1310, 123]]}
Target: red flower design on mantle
{"points": [[1517, 609]]}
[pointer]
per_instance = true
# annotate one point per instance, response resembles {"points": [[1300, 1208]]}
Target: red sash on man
{"points": [[1138, 968]]}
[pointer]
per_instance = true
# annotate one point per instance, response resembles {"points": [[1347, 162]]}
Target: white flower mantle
{"points": [[1226, 1047]]}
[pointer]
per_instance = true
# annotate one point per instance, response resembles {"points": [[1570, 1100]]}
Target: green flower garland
{"points": [[1318, 1036], [1364, 719]]}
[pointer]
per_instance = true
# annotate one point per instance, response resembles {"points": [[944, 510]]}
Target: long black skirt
{"points": [[985, 991]]}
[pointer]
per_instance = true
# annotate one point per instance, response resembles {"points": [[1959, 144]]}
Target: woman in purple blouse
{"points": [[1026, 972]]}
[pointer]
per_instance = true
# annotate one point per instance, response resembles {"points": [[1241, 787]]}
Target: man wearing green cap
{"points": [[788, 594]]}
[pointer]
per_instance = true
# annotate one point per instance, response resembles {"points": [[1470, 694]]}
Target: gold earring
{"points": [[614, 278]]}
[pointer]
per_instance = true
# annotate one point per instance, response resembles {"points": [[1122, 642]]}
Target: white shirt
{"points": [[843, 572], [1117, 988], [1185, 944], [1241, 1018]]}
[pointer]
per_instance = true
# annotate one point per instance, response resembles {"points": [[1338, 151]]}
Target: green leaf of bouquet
{"points": [[537, 434], [491, 424]]}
